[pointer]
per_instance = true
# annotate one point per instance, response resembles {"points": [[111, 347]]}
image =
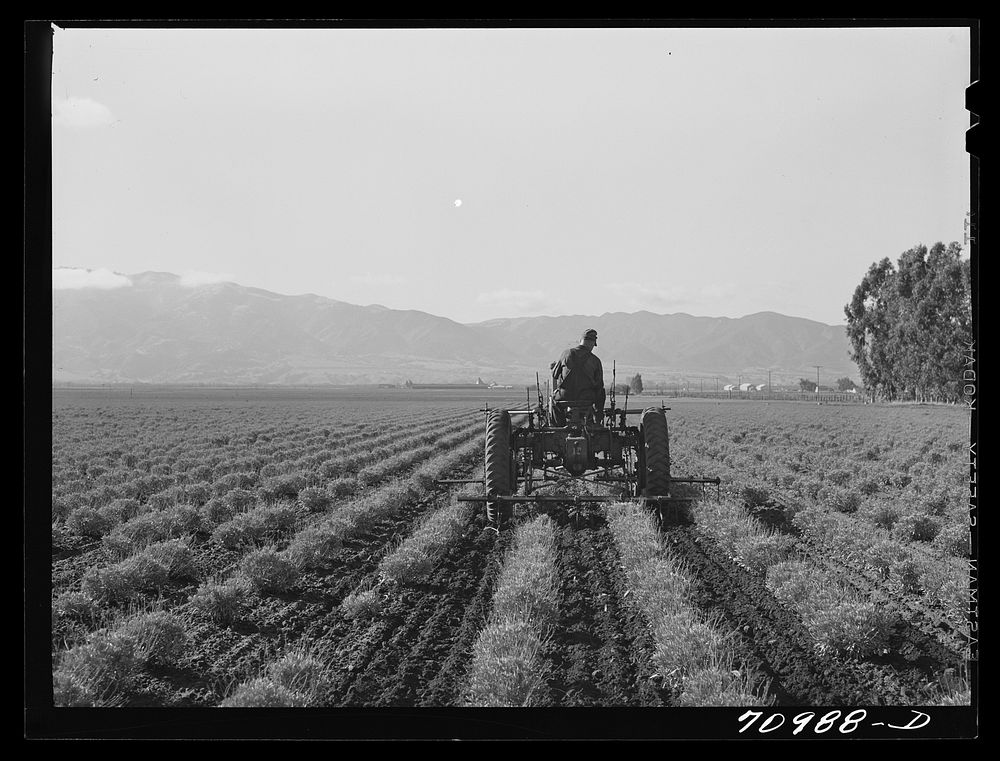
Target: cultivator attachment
{"points": [[669, 510], [590, 446]]}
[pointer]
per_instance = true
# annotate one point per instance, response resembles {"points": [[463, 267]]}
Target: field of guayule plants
{"points": [[292, 548]]}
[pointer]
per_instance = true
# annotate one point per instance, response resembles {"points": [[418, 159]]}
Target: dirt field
{"points": [[186, 452]]}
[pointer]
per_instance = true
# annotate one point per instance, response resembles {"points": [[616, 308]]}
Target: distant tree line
{"points": [[843, 384], [910, 325]]}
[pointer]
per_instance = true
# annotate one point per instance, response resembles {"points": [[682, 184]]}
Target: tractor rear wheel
{"points": [[500, 471], [655, 459]]}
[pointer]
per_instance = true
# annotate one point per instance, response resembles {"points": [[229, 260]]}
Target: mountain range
{"points": [[160, 330]]}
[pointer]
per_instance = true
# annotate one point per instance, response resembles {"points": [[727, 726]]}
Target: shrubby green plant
{"points": [[300, 671], [226, 483], [221, 601], [162, 500], [216, 511], [363, 603], [88, 522], [938, 502], [855, 627], [315, 547], [945, 584], [755, 496], [839, 620], [125, 580], [342, 487], [758, 552], [142, 487], [840, 477], [406, 565], [62, 506], [264, 693], [954, 540], [915, 527], [283, 486], [76, 606], [506, 671], [881, 512], [96, 673], [158, 637], [722, 686], [175, 522], [126, 507], [200, 473], [507, 667], [175, 555], [239, 498], [842, 500], [101, 495], [687, 647], [884, 554], [393, 465], [197, 494], [267, 571], [315, 499], [112, 514], [414, 560], [260, 524]]}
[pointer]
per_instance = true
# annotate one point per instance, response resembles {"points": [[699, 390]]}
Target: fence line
{"points": [[764, 396]]}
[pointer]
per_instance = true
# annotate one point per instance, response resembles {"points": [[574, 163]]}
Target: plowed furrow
{"points": [[918, 641], [420, 645], [782, 646], [599, 644], [443, 681]]}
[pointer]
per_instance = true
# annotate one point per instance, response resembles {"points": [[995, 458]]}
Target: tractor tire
{"points": [[655, 460], [500, 471]]}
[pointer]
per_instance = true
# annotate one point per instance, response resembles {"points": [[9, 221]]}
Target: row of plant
{"points": [[315, 549], [693, 658], [235, 491], [843, 621], [508, 664], [878, 491], [897, 471], [291, 679], [274, 479], [104, 670], [136, 437], [935, 582], [154, 552], [884, 442], [218, 467], [315, 546], [413, 560]]}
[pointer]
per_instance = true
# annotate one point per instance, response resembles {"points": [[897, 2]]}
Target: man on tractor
{"points": [[578, 376]]}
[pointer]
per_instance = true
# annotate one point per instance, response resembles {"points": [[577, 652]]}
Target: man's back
{"points": [[579, 375]]}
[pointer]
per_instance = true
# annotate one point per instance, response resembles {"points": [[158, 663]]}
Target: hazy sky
{"points": [[480, 173]]}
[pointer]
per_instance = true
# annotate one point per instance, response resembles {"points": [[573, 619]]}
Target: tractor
{"points": [[600, 447]]}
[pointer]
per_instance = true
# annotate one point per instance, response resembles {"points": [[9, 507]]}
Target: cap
{"points": [[590, 335]]}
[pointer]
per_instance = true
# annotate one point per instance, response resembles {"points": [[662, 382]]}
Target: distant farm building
{"points": [[747, 387], [480, 383], [729, 387], [762, 387]]}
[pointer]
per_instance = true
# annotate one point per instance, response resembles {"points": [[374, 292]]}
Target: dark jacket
{"points": [[578, 375]]}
